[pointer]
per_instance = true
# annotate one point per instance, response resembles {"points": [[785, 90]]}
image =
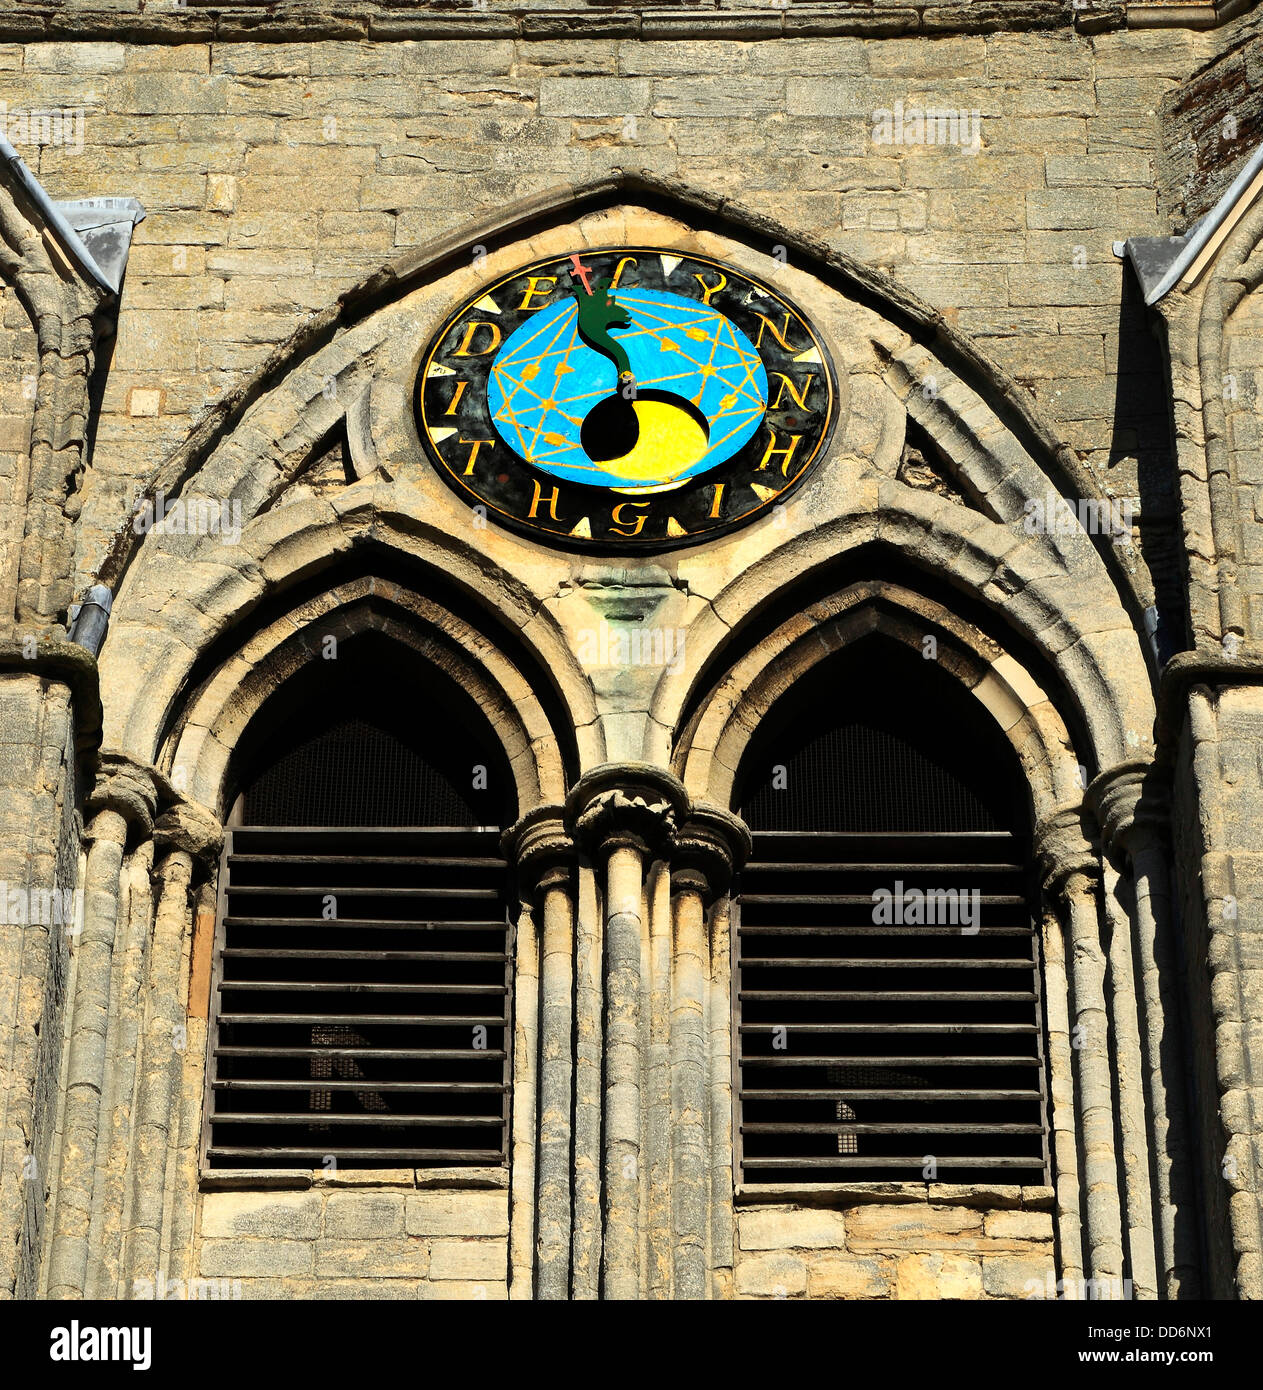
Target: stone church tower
{"points": [[631, 649]]}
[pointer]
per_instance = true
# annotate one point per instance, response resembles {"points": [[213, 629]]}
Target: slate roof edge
{"points": [[67, 238], [1160, 262]]}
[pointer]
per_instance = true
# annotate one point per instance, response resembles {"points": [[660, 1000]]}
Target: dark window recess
{"points": [[361, 979], [377, 1037], [866, 1048]]}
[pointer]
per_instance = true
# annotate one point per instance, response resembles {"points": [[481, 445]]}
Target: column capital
{"points": [[540, 849], [708, 849], [128, 787], [1065, 850], [635, 805], [1131, 802], [190, 828]]}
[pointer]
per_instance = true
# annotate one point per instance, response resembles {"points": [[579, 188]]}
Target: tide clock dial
{"points": [[626, 399]]}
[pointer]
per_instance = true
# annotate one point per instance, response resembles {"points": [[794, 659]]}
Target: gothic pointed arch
{"points": [[318, 456]]}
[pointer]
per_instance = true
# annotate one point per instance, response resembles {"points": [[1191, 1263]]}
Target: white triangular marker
{"points": [[812, 354], [438, 436], [669, 263], [438, 369], [764, 494], [487, 305], [583, 530]]}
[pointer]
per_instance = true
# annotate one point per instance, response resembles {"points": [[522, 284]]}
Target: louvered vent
{"points": [[866, 1048], [362, 983], [884, 1031]]}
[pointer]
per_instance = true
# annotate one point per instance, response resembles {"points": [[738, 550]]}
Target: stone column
{"points": [[1132, 804], [127, 1003], [545, 861], [120, 806], [1071, 878], [524, 1105], [623, 815], [705, 852], [1065, 1142], [187, 841], [1135, 1138]]}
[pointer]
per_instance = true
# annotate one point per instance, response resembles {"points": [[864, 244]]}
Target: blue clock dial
{"points": [[545, 381], [625, 399]]}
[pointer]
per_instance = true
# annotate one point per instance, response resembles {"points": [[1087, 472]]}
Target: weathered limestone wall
{"points": [[379, 1235], [38, 853], [19, 364], [1241, 388], [276, 175], [984, 1244], [1225, 729]]}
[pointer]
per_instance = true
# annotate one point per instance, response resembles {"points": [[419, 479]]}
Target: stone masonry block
{"points": [[771, 1276], [458, 1214], [1010, 1276], [285, 1215], [938, 1277], [266, 1258], [1019, 1225], [364, 1215], [593, 96], [465, 1290], [401, 1258], [468, 1259], [848, 1278], [911, 1227], [784, 1230]]}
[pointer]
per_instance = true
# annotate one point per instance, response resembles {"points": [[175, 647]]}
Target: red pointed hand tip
{"points": [[582, 271]]}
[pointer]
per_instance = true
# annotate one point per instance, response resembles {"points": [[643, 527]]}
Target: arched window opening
{"points": [[361, 976], [889, 1024]]}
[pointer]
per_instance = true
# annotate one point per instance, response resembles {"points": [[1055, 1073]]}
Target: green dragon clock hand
{"points": [[598, 313], [612, 428]]}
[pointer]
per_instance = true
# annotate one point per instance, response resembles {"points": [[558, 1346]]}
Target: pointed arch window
{"points": [[361, 981], [888, 1011]]}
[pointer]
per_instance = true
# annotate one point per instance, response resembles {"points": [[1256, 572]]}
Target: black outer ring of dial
{"points": [[594, 500]]}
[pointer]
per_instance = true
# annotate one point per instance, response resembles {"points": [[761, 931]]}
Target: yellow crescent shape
{"points": [[670, 442]]}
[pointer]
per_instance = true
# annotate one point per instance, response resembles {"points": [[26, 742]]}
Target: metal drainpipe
{"points": [[90, 619]]}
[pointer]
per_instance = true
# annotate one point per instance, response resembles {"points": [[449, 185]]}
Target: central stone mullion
{"points": [[660, 868], [624, 816], [624, 1070]]}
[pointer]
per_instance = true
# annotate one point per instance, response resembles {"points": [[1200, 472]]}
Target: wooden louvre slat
{"points": [[362, 924], [446, 1054], [282, 953], [898, 1161], [223, 1085], [853, 1033], [408, 860], [346, 1024], [236, 1155]]}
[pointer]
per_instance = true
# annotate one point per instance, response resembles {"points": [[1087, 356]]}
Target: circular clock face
{"points": [[627, 399]]}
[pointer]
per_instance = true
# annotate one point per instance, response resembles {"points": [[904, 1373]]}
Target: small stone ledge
{"points": [[56, 659], [1003, 1197], [385, 1179], [1187, 669]]}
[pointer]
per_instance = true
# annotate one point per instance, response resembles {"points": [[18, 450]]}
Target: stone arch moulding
{"points": [[196, 753], [1061, 607], [352, 367], [162, 700], [709, 754]]}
